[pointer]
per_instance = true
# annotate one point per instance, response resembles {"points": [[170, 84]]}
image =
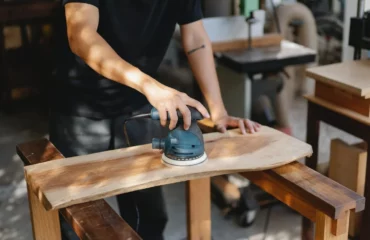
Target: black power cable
{"points": [[144, 115], [267, 222]]}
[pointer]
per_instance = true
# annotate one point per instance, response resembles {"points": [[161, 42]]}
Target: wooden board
{"points": [[267, 40], [343, 98], [348, 168], [352, 76], [62, 183], [341, 110]]}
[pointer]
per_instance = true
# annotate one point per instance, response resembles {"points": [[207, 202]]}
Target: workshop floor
{"points": [[14, 215]]}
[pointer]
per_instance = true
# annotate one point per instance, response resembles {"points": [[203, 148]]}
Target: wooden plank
{"points": [[341, 110], [92, 220], [325, 194], [348, 164], [343, 98], [267, 40], [272, 186], [199, 209], [45, 224], [351, 76], [324, 227], [95, 176], [348, 167]]}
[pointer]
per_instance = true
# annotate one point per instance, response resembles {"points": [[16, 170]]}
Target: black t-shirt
{"points": [[139, 31]]}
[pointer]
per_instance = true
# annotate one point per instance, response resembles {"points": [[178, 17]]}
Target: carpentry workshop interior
{"points": [[184, 119]]}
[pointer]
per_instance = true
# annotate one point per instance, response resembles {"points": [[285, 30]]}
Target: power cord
{"points": [[265, 228], [144, 115]]}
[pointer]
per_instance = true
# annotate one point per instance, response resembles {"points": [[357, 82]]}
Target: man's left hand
{"points": [[245, 125]]}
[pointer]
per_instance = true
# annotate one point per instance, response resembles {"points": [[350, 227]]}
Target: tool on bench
{"points": [[181, 147]]}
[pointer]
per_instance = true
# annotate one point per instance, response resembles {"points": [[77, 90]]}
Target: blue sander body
{"points": [[182, 147]]}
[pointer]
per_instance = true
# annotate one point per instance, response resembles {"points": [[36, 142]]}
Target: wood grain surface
{"points": [[93, 220], [65, 182], [352, 76], [198, 201], [341, 110], [343, 98], [267, 40]]}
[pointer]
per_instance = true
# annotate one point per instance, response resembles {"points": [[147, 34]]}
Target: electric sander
{"points": [[181, 147]]}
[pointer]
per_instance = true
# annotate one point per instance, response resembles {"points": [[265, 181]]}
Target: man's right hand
{"points": [[166, 99]]}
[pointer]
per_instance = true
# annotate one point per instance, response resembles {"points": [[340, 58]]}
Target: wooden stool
{"points": [[311, 194], [341, 99]]}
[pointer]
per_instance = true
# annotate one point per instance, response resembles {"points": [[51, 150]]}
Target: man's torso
{"points": [[139, 31]]}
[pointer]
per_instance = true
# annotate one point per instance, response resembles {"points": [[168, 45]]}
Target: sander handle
{"points": [[195, 114]]}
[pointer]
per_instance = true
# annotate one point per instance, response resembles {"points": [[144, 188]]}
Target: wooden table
{"points": [[341, 99], [80, 201]]}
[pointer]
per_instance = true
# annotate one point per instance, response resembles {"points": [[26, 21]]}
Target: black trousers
{"points": [[144, 210]]}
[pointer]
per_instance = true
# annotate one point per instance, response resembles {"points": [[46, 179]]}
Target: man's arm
{"points": [[84, 41], [82, 22], [198, 49]]}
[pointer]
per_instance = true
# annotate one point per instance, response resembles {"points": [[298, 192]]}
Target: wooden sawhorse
{"points": [[313, 195]]}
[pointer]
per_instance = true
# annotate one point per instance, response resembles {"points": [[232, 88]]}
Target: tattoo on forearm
{"points": [[196, 49]]}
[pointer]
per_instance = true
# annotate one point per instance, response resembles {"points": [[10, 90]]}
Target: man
{"points": [[109, 52]]}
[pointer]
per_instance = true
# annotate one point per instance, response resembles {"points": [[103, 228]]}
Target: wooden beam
{"points": [[90, 220], [90, 177], [199, 209], [324, 226], [45, 224], [300, 186], [282, 193]]}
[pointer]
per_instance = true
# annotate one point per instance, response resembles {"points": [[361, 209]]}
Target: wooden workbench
{"points": [[342, 100], [314, 196]]}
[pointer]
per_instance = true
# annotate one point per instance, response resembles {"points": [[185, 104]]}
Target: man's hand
{"points": [[198, 48], [166, 99], [226, 121]]}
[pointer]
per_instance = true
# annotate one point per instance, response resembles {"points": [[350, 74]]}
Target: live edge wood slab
{"points": [[94, 220], [313, 195], [65, 182]]}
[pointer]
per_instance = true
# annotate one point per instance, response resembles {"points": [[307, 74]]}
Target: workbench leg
{"points": [[329, 229], [365, 222], [312, 135], [199, 209], [312, 138], [45, 224]]}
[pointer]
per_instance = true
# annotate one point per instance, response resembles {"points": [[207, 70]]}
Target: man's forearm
{"points": [[96, 52], [86, 42], [200, 55]]}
